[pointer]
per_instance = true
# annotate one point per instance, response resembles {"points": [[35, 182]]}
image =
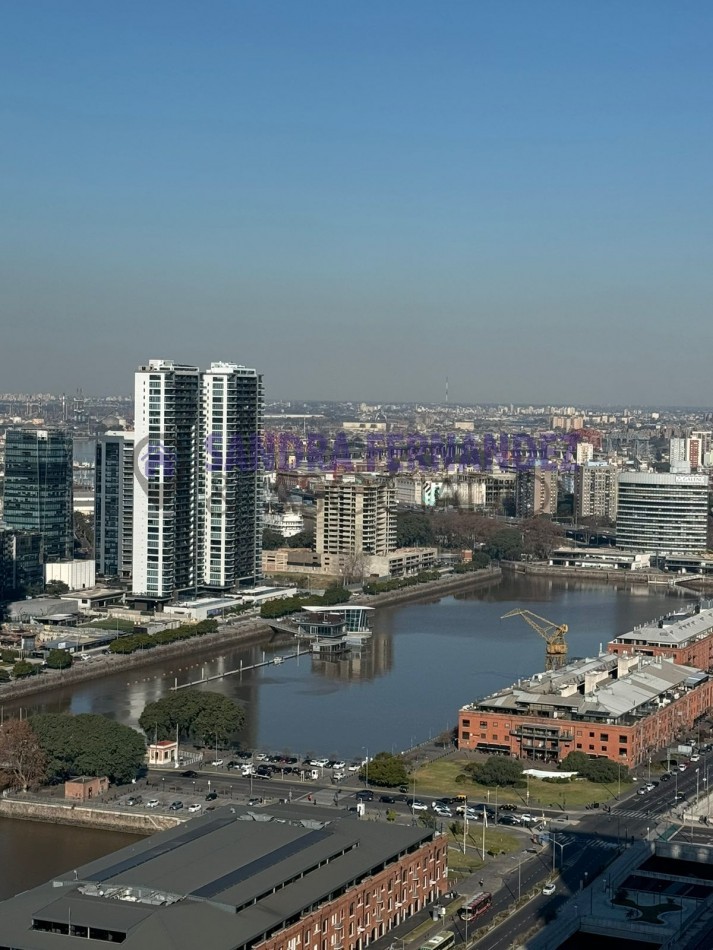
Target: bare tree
{"points": [[21, 755]]}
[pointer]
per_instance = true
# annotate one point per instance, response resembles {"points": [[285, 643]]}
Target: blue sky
{"points": [[361, 199]]}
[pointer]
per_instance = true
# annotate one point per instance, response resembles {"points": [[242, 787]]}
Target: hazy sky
{"points": [[361, 199]]}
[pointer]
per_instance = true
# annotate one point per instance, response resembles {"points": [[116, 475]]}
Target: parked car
{"points": [[217, 762], [508, 807], [153, 803], [194, 808], [134, 800], [211, 796], [254, 801], [319, 763], [175, 806], [338, 765], [549, 889]]}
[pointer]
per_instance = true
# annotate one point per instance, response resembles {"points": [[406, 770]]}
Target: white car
{"points": [[419, 806], [682, 767], [339, 766], [217, 762], [194, 808], [354, 767], [549, 889], [319, 763], [260, 757], [443, 811], [695, 757], [153, 803]]}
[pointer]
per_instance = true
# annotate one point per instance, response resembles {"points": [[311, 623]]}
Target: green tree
{"points": [[336, 594], [505, 545], [386, 769], [4, 676], [303, 539], [59, 659], [89, 744], [55, 588], [497, 770], [23, 669], [414, 529], [602, 771], [271, 539], [193, 712]]}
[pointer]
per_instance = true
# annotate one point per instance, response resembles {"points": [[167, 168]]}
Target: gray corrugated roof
{"points": [[180, 861]]}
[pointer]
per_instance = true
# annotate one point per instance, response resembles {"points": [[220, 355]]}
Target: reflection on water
{"points": [[425, 660]]}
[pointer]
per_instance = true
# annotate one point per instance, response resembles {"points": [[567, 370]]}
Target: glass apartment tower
{"points": [[113, 504], [197, 478], [38, 487]]}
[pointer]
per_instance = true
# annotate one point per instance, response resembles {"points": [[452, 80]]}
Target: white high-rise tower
{"points": [[197, 485]]}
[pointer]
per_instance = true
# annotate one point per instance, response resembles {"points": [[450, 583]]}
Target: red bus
{"points": [[476, 906]]}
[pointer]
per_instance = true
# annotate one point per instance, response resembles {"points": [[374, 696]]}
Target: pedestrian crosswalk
{"points": [[600, 843]]}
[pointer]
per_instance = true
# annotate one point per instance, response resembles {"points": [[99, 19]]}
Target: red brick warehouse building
{"points": [[620, 707]]}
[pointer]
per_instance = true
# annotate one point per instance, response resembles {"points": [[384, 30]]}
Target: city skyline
{"points": [[362, 200]]}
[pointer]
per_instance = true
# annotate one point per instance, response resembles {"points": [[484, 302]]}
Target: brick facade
{"points": [[551, 740], [364, 913]]}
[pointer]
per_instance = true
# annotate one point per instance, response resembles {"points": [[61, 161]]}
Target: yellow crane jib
{"points": [[552, 633]]}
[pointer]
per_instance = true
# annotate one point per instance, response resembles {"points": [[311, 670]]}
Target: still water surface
{"points": [[426, 659]]}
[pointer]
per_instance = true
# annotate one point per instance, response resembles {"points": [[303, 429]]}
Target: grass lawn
{"points": [[123, 626], [439, 778], [496, 841]]}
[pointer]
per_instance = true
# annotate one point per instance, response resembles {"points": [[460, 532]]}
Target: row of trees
{"points": [[502, 771], [335, 594], [53, 747], [147, 641], [398, 583], [467, 530]]}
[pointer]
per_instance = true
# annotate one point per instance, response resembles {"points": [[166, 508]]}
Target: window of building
{"points": [[591, 748], [622, 740], [604, 737]]}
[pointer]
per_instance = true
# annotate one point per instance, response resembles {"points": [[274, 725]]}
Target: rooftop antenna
{"points": [[446, 392]]}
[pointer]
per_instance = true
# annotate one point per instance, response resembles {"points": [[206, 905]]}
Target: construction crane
{"points": [[552, 633]]}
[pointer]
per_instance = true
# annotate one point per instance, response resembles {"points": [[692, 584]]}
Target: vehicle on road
{"points": [[175, 806], [445, 940], [510, 820], [695, 757], [666, 777], [679, 797], [217, 762], [682, 767], [443, 811], [189, 773], [549, 889], [211, 796], [153, 803], [194, 808], [387, 799], [476, 906], [365, 795]]}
